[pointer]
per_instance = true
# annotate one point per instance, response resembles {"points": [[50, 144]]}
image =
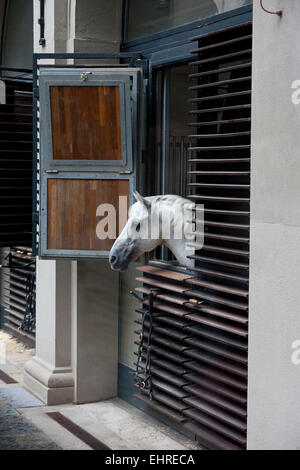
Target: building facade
{"points": [[86, 317]]}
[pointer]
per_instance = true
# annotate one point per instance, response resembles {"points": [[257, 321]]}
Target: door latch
{"points": [[85, 76], [52, 171]]}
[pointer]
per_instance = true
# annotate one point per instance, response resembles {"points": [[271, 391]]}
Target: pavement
{"points": [[27, 424]]}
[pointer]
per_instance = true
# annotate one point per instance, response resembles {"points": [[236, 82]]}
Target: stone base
{"points": [[51, 386]]}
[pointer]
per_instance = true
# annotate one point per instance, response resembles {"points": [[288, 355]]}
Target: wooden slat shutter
{"points": [[198, 330], [16, 160]]}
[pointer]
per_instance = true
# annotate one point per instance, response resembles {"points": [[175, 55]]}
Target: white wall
{"points": [[274, 381]]}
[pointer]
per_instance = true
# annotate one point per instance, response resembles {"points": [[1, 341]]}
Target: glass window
{"points": [[146, 17]]}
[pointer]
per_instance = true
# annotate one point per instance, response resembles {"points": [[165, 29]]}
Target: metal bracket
{"points": [[85, 76]]}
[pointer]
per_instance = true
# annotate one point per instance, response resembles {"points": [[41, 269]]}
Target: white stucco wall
{"points": [[274, 381]]}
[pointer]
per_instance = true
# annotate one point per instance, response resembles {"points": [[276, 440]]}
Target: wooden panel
{"points": [[86, 122], [72, 206]]}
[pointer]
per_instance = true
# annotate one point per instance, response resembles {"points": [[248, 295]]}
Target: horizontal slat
{"points": [[217, 349], [172, 275], [232, 81], [229, 68], [222, 415], [213, 440], [219, 136], [216, 299], [216, 362], [219, 287], [217, 324], [218, 160], [178, 393], [219, 173], [218, 249], [158, 407], [217, 387], [220, 147], [160, 284], [222, 58], [219, 185], [221, 262], [219, 122], [223, 212], [217, 426], [218, 374], [222, 275], [226, 43], [216, 399], [234, 94]]}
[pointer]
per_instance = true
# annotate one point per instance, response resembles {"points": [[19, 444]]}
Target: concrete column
{"points": [[94, 330], [274, 320], [49, 374]]}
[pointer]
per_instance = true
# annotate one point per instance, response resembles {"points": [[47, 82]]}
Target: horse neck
{"points": [[177, 246]]}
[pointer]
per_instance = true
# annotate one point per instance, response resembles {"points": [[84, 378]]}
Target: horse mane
{"points": [[170, 199]]}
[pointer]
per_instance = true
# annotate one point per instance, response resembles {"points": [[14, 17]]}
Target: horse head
{"points": [[134, 240], [152, 221]]}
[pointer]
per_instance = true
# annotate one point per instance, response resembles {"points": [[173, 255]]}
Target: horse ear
{"points": [[142, 200]]}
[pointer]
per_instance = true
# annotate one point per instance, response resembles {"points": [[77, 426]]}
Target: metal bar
{"points": [[222, 58], [220, 83], [222, 44], [220, 70]]}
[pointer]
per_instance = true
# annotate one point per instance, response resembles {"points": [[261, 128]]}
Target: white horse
{"points": [[153, 221]]}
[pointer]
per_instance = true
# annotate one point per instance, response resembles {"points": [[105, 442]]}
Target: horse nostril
{"points": [[113, 259]]}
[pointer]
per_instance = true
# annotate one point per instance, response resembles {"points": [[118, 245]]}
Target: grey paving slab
{"points": [[6, 410], [30, 441], [15, 425], [17, 397]]}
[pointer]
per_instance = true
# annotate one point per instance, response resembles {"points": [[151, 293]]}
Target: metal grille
{"points": [[198, 341], [16, 158], [19, 293]]}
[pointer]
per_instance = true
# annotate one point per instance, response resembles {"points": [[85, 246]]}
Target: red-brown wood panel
{"points": [[86, 122], [72, 206]]}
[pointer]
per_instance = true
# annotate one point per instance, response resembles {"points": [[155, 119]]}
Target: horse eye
{"points": [[138, 227]]}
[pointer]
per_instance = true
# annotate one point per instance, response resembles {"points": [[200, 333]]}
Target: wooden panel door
{"points": [[88, 130]]}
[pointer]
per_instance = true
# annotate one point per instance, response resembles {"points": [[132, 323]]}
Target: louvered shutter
{"points": [[192, 349], [16, 160]]}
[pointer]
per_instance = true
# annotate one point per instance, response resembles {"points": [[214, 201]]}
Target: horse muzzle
{"points": [[117, 263]]}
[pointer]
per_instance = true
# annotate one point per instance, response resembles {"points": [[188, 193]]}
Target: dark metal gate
{"points": [[192, 353]]}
